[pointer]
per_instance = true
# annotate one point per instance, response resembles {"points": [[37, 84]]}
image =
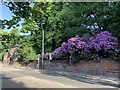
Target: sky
{"points": [[5, 13]]}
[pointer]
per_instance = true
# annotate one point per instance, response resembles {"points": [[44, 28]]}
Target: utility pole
{"points": [[41, 27], [42, 47]]}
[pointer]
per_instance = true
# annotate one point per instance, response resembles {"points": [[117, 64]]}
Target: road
{"points": [[29, 78]]}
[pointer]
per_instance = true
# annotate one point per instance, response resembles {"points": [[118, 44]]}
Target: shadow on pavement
{"points": [[8, 83], [87, 79], [95, 81]]}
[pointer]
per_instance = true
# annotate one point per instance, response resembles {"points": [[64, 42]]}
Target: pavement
{"points": [[13, 77]]}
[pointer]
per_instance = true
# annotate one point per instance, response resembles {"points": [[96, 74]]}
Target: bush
{"points": [[116, 55], [88, 47], [26, 54], [2, 53], [103, 41]]}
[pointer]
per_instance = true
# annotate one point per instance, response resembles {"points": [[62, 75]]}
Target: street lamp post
{"points": [[41, 27], [42, 46]]}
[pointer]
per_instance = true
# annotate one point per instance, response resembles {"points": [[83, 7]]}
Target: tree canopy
{"points": [[60, 20]]}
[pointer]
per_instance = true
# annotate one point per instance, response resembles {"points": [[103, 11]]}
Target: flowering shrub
{"points": [[72, 45], [101, 44], [103, 41], [57, 53], [77, 43]]}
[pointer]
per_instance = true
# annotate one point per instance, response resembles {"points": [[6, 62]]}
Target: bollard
{"points": [[50, 58], [101, 76], [38, 59]]}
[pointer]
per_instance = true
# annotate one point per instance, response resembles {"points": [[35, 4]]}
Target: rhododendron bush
{"points": [[103, 41]]}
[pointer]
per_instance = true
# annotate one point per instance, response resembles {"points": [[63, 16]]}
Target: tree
{"points": [[63, 20]]}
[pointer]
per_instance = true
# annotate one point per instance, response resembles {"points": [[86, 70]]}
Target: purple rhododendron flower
{"points": [[102, 41]]}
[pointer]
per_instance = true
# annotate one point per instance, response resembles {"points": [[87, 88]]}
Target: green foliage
{"points": [[115, 56], [9, 38], [77, 56], [26, 51], [60, 22], [26, 54], [49, 36], [20, 10], [29, 25], [2, 52]]}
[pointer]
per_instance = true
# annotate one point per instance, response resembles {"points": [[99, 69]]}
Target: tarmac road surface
{"points": [[29, 78]]}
